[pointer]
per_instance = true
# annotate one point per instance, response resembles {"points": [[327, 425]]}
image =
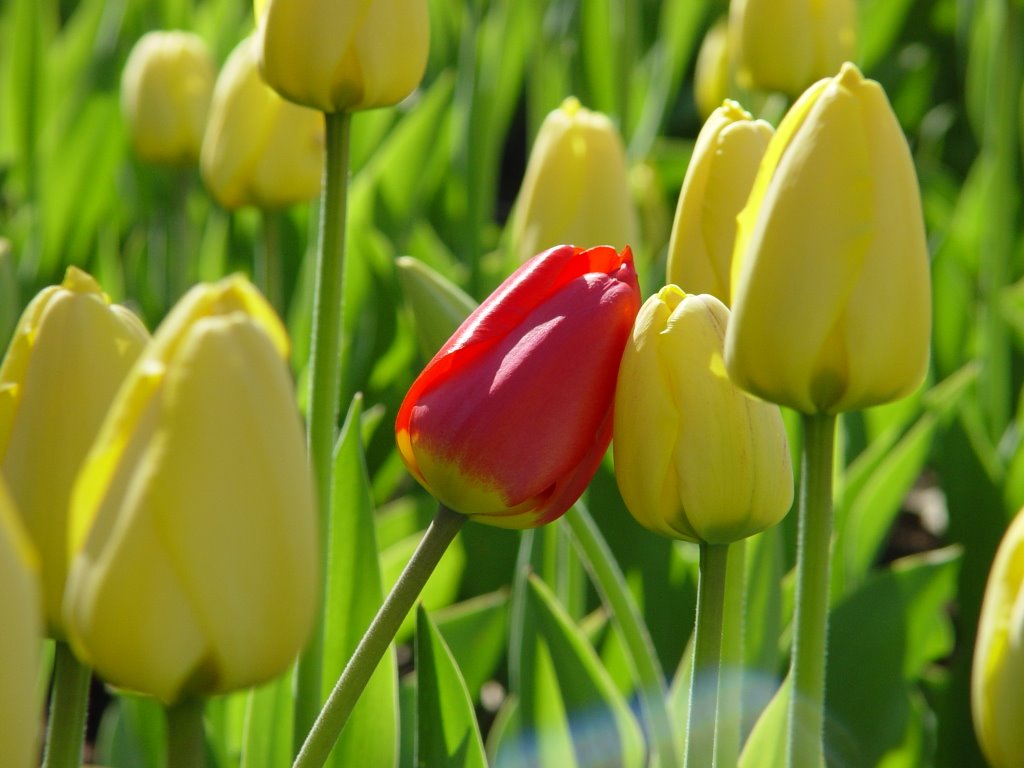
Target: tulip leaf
{"points": [[475, 631], [878, 25], [766, 745], [268, 725], [133, 733], [447, 733], [438, 305]]}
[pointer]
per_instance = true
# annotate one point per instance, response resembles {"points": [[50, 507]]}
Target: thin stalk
{"points": [[179, 247], [378, 637], [185, 734], [69, 705], [707, 653], [325, 381], [267, 267], [807, 664], [730, 686]]}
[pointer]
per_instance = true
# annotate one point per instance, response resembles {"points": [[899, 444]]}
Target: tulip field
{"points": [[522, 383]]}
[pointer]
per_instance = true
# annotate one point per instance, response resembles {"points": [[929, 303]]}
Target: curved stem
{"points": [[325, 380], [69, 705], [185, 748], [807, 664], [378, 637]]}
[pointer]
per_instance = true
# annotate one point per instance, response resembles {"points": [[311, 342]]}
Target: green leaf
{"points": [[133, 733], [267, 738], [438, 305], [878, 25], [447, 733], [475, 631], [766, 745]]}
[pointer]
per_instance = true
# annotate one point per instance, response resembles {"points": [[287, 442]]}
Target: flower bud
{"points": [[438, 305], [576, 189], [509, 421], [165, 94], [696, 458], [785, 45], [258, 148], [997, 696], [69, 355], [192, 532], [343, 55], [711, 74], [717, 183], [832, 299]]}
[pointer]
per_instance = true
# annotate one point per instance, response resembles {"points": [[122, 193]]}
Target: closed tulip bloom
{"points": [[22, 623], [343, 55], [997, 679], [832, 300], [576, 188], [165, 94], [510, 419], [785, 45], [696, 458], [717, 183], [69, 355], [711, 73], [259, 149], [194, 553]]}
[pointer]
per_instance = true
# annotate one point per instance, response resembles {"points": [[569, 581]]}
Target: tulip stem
{"points": [[69, 705], [267, 266], [807, 664], [611, 585], [378, 637], [730, 685], [185, 735], [325, 381]]}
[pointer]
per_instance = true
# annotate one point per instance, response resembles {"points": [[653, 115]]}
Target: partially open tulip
{"points": [[576, 188], [165, 93], [711, 73], [259, 149], [510, 419], [70, 352], [193, 533], [832, 299], [785, 45], [997, 680], [696, 458], [22, 622], [343, 55], [717, 183]]}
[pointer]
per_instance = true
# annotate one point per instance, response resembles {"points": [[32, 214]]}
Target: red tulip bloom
{"points": [[509, 421]]}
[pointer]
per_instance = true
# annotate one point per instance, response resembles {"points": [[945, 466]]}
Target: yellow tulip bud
{"points": [[711, 73], [831, 291], [19, 641], [717, 183], [576, 189], [69, 355], [193, 532], [785, 45], [696, 458], [997, 693], [165, 93], [343, 55], [258, 148]]}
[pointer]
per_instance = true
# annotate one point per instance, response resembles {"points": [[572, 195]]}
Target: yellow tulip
{"points": [[997, 693], [711, 74], [576, 189], [70, 352], [696, 458], [258, 148], [22, 624], [717, 183], [192, 532], [831, 291], [785, 45], [343, 55], [165, 94]]}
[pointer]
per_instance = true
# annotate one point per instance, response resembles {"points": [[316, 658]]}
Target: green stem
{"points": [[730, 686], [69, 705], [179, 248], [267, 267], [185, 746], [707, 651], [611, 585], [378, 637], [807, 665], [325, 381]]}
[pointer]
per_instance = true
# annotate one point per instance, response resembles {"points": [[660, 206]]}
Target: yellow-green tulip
{"points": [[165, 94], [258, 148], [997, 680], [22, 624], [575, 189], [785, 45], [696, 458], [343, 55], [711, 74], [192, 531], [717, 183], [831, 292], [69, 355]]}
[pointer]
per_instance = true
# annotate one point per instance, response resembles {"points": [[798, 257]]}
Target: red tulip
{"points": [[509, 421]]}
